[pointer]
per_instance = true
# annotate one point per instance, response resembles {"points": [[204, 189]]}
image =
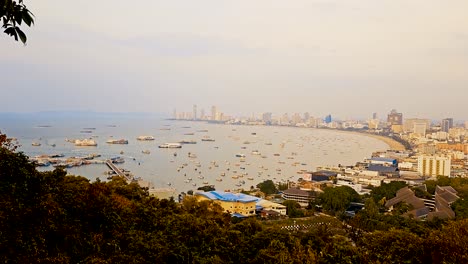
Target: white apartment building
{"points": [[434, 165]]}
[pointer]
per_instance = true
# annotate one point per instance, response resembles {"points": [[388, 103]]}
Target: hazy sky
{"points": [[345, 57]]}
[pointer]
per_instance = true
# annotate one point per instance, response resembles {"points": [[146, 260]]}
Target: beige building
{"points": [[415, 125], [233, 203], [433, 166]]}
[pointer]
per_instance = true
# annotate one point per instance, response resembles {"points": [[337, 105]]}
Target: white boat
{"points": [[145, 138], [255, 152], [145, 152], [240, 155], [36, 144], [85, 143], [170, 145], [118, 141]]}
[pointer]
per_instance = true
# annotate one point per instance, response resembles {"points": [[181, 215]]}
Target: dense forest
{"points": [[50, 217]]}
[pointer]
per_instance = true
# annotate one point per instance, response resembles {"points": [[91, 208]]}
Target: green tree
{"points": [[386, 191], [267, 187], [337, 199], [13, 14], [293, 209]]}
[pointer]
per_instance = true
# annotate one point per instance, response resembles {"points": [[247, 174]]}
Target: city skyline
{"points": [[348, 59]]}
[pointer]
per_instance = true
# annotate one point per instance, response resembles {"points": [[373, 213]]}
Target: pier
{"points": [[118, 171]]}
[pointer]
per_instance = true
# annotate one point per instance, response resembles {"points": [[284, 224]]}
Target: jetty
{"points": [[118, 171]]}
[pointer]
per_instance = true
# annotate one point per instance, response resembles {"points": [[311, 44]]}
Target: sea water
{"points": [[284, 151]]}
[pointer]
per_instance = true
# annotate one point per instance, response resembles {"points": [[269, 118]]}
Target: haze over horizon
{"points": [[345, 58]]}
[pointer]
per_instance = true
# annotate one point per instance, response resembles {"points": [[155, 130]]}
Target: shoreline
{"points": [[392, 144]]}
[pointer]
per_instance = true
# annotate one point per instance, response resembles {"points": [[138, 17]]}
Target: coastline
{"points": [[392, 144]]}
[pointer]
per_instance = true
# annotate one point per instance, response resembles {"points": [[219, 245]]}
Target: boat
{"points": [[36, 144], [145, 138], [219, 179], [117, 141], [170, 145], [235, 177], [255, 152], [188, 142], [253, 133], [117, 160], [202, 130], [268, 144], [276, 154], [145, 152], [191, 155], [86, 131], [189, 134], [240, 155], [85, 143], [208, 139]]}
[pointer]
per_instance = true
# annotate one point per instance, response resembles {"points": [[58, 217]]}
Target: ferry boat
{"points": [[117, 141], [85, 143], [117, 160], [188, 142], [170, 145], [145, 138]]}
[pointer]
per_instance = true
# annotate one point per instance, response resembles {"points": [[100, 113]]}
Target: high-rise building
{"points": [[194, 112], [328, 119], [284, 120], [446, 124], [296, 119], [420, 128], [410, 123], [214, 113], [202, 114], [394, 118], [266, 117], [374, 116], [433, 166], [306, 117]]}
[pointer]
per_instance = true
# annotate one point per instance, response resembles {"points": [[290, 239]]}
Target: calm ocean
{"points": [[295, 148]]}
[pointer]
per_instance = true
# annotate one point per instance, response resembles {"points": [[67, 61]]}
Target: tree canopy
{"points": [[267, 187], [51, 217], [13, 14]]}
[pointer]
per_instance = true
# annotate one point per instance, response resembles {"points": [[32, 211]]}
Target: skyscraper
{"points": [[446, 124], [328, 119], [194, 112], [374, 116], [266, 117], [202, 114], [394, 118], [214, 113]]}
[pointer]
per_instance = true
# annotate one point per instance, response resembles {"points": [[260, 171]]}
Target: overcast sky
{"points": [[345, 57]]}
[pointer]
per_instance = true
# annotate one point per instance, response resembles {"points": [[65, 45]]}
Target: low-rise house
{"points": [[298, 195], [444, 196], [406, 195], [271, 206]]}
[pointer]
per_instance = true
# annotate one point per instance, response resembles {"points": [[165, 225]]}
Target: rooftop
{"points": [[229, 197]]}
